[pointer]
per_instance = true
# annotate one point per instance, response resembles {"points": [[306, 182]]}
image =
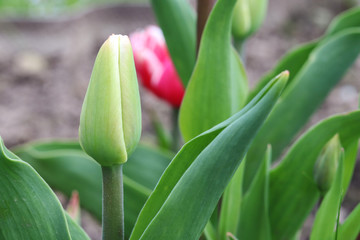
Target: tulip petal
{"points": [[155, 67], [130, 99], [110, 122]]}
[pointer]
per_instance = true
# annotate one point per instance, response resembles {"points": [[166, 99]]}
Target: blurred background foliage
{"points": [[47, 8]]}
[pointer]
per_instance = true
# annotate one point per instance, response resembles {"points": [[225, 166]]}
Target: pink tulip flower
{"points": [[155, 67]]}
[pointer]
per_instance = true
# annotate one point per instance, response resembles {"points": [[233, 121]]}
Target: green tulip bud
{"points": [[110, 122], [247, 17], [327, 163]]}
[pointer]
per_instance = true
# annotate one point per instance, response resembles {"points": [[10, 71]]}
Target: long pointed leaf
{"points": [[230, 205], [346, 20], [76, 232], [192, 200], [349, 164], [186, 196], [212, 94], [325, 67], [28, 207], [327, 215], [295, 59], [293, 192], [240, 87], [186, 156], [292, 61], [350, 229], [209, 231], [254, 216], [66, 167]]}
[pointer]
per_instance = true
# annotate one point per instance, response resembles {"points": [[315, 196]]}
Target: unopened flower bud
{"points": [[327, 164], [247, 17], [110, 122]]}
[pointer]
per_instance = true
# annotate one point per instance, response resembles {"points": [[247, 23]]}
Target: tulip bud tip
{"points": [[113, 35], [286, 73]]}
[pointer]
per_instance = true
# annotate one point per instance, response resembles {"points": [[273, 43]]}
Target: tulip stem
{"points": [[204, 8], [240, 48], [175, 130], [113, 203]]}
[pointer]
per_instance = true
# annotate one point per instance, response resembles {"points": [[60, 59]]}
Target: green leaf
{"points": [[178, 22], [326, 217], [350, 229], [209, 231], [240, 87], [66, 168], [147, 165], [297, 236], [349, 164], [230, 205], [213, 94], [293, 192], [178, 167], [28, 207], [254, 215], [190, 187], [346, 20], [292, 61], [295, 61], [76, 232], [325, 67]]}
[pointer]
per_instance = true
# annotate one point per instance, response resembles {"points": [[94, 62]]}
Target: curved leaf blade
{"points": [[326, 217], [291, 182], [212, 94], [349, 164], [67, 168], [231, 204], [28, 207], [350, 229], [254, 221], [240, 85], [187, 155], [190, 187], [295, 59], [346, 20], [76, 232], [323, 70], [292, 61]]}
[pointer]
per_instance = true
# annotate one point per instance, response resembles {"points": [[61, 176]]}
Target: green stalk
{"points": [[209, 231], [338, 218], [240, 48], [113, 203], [175, 130], [204, 8]]}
